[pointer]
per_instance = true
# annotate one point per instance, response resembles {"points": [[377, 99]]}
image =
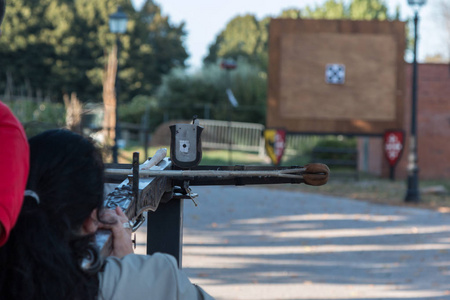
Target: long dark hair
{"points": [[43, 256]]}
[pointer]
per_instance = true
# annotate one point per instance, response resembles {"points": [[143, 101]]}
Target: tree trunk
{"points": [[109, 95], [74, 110]]}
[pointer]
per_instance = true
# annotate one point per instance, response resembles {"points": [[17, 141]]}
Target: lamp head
{"points": [[118, 21]]}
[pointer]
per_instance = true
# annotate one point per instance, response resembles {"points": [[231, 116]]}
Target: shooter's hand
{"points": [[117, 222]]}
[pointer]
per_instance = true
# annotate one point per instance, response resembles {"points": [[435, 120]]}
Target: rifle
{"points": [[161, 183]]}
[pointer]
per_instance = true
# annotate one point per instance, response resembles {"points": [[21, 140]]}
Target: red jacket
{"points": [[14, 167]]}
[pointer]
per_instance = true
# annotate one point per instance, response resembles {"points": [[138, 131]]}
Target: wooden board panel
{"points": [[370, 100]]}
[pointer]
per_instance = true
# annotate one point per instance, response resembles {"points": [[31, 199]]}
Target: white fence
{"points": [[249, 137], [237, 135]]}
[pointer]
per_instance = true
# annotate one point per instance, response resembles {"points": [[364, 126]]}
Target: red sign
{"points": [[393, 145]]}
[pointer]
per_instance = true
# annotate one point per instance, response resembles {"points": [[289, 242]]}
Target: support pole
{"points": [[412, 193], [115, 150], [165, 229]]}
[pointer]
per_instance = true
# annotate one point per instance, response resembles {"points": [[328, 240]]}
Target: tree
{"points": [[234, 41], [157, 47], [290, 13], [445, 11], [355, 10], [81, 49], [244, 36], [331, 9], [435, 58], [58, 46], [203, 93], [24, 51]]}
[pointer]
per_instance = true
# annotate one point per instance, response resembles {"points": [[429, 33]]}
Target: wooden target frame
{"points": [[369, 98]]}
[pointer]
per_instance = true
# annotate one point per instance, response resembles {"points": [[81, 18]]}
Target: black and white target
{"points": [[335, 74]]}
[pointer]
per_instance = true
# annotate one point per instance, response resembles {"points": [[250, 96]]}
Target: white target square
{"points": [[335, 74]]}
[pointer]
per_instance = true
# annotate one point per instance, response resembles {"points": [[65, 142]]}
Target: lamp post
{"points": [[228, 65], [117, 25], [412, 193]]}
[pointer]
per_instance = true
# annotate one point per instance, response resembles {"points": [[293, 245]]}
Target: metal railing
{"points": [[239, 135], [249, 137]]}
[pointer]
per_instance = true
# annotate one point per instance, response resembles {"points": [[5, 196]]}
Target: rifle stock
{"points": [[133, 200]]}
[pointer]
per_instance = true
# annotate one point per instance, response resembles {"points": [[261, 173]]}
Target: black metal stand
{"points": [[392, 173], [115, 149], [412, 193], [165, 229]]}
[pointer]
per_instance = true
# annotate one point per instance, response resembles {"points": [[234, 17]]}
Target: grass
{"points": [[219, 157], [381, 190], [366, 188], [209, 157]]}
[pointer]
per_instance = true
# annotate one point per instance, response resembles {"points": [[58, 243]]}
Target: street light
{"points": [[117, 25], [412, 193]]}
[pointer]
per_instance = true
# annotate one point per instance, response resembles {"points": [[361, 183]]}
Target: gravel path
{"points": [[255, 243]]}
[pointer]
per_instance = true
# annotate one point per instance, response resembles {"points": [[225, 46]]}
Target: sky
{"points": [[205, 19]]}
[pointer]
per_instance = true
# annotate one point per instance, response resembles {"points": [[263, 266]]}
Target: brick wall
{"points": [[433, 126]]}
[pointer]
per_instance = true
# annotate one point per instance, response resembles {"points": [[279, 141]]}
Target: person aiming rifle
{"points": [[52, 254]]}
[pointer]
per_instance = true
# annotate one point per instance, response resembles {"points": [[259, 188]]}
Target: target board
{"points": [[336, 76]]}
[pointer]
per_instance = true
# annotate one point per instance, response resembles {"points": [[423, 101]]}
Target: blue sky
{"points": [[206, 18]]}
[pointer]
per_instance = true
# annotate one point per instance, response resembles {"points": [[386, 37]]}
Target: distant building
{"points": [[433, 127]]}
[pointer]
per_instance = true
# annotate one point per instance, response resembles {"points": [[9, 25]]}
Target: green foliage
{"points": [[245, 36], [59, 47], [28, 111], [38, 116], [354, 10], [295, 160], [368, 10], [290, 13], [141, 110], [209, 157], [331, 9], [336, 143], [156, 48], [221, 158], [184, 95]]}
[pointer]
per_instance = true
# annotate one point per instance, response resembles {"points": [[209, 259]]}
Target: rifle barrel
{"points": [[286, 173]]}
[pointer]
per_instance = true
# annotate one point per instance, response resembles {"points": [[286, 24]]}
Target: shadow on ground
{"points": [[255, 243]]}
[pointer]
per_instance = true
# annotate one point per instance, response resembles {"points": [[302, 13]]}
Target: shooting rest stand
{"points": [[162, 189]]}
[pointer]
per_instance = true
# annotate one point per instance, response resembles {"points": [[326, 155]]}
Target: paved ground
{"points": [[254, 243]]}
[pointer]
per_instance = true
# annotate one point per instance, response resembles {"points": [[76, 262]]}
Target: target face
{"points": [[335, 74]]}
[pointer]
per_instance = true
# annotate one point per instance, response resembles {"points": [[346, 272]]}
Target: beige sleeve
{"points": [[154, 277]]}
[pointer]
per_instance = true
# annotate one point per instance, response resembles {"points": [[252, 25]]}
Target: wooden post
{"points": [[109, 96]]}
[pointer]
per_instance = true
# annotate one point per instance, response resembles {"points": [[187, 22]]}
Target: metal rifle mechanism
{"points": [[160, 184]]}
